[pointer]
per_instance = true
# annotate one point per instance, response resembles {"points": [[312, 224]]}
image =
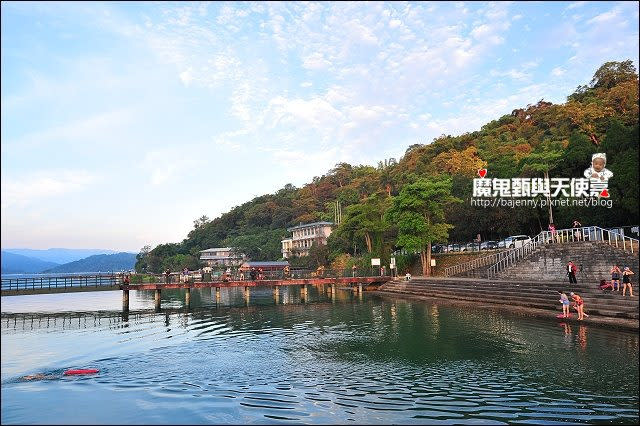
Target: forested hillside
{"points": [[18, 264], [99, 263], [601, 116]]}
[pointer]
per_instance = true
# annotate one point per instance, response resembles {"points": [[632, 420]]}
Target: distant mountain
{"points": [[17, 264], [99, 263], [59, 255]]}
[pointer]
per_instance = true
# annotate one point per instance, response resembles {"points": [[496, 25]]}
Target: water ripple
{"points": [[376, 361]]}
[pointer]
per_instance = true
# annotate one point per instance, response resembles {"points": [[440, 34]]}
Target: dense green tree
{"points": [[613, 73], [418, 212], [542, 160]]}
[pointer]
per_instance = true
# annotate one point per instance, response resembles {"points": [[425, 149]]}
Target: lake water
{"points": [[347, 360]]}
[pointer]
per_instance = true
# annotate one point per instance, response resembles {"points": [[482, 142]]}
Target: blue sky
{"points": [[123, 122]]}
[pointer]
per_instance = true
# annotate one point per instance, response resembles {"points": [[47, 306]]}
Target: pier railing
{"points": [[235, 275], [57, 282], [73, 282]]}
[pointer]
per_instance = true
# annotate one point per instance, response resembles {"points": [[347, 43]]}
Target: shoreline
{"points": [[600, 321]]}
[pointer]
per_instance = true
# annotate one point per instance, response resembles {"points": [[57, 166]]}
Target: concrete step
{"points": [[517, 301], [520, 285], [626, 305], [597, 293]]}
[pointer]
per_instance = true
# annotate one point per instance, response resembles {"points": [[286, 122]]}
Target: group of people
{"points": [[578, 305], [576, 300], [577, 233], [616, 273]]}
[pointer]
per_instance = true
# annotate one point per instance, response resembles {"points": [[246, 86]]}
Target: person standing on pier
{"points": [[167, 276]]}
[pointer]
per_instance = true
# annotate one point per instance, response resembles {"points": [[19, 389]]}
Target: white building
{"points": [[304, 236], [221, 256]]}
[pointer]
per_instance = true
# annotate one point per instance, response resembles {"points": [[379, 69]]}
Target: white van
{"points": [[516, 241]]}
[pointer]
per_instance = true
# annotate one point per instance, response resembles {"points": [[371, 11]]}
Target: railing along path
{"points": [[498, 262]]}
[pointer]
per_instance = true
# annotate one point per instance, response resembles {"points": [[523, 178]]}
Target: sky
{"points": [[123, 122]]}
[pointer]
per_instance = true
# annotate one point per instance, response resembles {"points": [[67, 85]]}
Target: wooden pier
{"points": [[356, 283]]}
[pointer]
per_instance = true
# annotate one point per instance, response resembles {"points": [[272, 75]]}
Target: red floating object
{"points": [[560, 316], [79, 372]]}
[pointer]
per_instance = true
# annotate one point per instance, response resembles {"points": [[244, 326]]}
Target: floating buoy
{"points": [[78, 372]]}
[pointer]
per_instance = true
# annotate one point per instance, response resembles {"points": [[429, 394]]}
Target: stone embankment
{"points": [[538, 298], [548, 263]]}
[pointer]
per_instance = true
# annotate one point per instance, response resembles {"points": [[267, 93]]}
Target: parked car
{"points": [[516, 241], [502, 244], [471, 247], [437, 248], [453, 247], [489, 245]]}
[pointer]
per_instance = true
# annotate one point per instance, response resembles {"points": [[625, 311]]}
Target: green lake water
{"points": [[348, 360]]}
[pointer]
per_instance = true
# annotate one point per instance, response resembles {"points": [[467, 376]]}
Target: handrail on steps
{"points": [[502, 260]]}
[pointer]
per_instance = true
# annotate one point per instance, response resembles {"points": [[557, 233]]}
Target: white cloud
{"points": [[315, 61], [576, 4], [91, 129], [558, 71], [394, 23], [512, 73], [186, 77], [604, 17], [41, 186], [169, 163]]}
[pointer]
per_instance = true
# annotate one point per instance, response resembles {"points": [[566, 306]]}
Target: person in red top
{"points": [[579, 305], [552, 230], [571, 271]]}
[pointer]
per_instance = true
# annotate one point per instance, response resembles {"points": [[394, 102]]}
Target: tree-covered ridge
{"points": [[540, 139]]}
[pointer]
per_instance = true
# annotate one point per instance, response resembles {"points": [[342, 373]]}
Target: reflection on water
{"points": [[328, 360]]}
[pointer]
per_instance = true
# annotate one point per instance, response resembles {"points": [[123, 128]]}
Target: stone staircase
{"points": [[527, 294], [609, 243], [594, 260]]}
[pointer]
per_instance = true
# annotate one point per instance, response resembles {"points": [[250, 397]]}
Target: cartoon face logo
{"points": [[597, 169]]}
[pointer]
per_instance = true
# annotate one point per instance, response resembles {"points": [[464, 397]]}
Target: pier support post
{"points": [[125, 300], [247, 294], [276, 293], [157, 299], [360, 291], [217, 294], [303, 292], [187, 296]]}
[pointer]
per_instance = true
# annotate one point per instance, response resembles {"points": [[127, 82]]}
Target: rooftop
{"points": [[308, 225], [216, 249], [274, 263]]}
